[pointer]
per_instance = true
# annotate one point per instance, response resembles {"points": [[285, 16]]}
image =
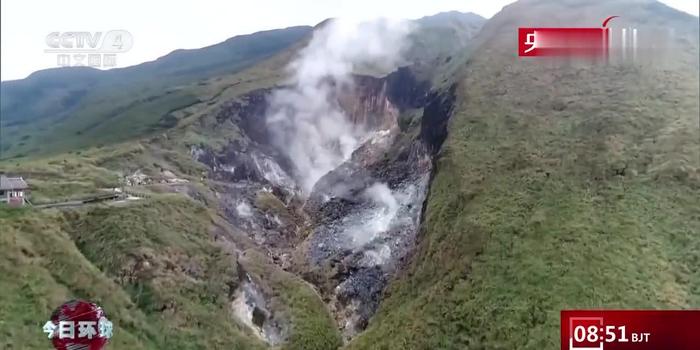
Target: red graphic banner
{"points": [[630, 329], [584, 42]]}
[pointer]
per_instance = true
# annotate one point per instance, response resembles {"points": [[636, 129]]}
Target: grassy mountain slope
{"points": [[68, 108], [160, 266], [559, 186], [49, 261], [166, 230]]}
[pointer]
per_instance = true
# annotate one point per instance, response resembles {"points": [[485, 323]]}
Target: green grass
{"points": [[62, 177], [42, 268], [160, 252], [178, 300], [560, 186], [119, 116]]}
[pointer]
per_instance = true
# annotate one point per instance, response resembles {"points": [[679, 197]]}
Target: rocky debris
{"points": [[364, 232], [245, 177], [357, 298], [248, 115], [255, 210], [167, 174], [250, 308], [137, 179], [240, 163]]}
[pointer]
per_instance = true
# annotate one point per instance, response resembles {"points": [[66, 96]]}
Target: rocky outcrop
{"points": [[436, 114], [250, 307], [366, 216]]}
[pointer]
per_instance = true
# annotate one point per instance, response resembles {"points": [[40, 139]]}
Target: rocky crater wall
{"points": [[358, 224]]}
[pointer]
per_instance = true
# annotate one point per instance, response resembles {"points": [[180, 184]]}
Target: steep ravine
{"points": [[350, 234]]}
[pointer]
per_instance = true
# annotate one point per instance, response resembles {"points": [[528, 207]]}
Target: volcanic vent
{"points": [[331, 172]]}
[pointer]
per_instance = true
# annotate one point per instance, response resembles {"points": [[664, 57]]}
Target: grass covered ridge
{"points": [[546, 199]]}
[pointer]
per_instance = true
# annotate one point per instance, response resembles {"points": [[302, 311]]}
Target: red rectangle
{"points": [[562, 41], [630, 329]]}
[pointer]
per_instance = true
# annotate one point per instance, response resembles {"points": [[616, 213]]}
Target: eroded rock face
{"points": [[254, 193], [367, 216], [249, 306], [350, 234]]}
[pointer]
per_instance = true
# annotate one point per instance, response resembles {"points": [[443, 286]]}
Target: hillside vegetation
{"points": [[561, 185], [163, 267], [150, 266]]}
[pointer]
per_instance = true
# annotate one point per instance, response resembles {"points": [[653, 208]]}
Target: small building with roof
{"points": [[13, 190]]}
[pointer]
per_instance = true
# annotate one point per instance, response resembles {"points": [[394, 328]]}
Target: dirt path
{"points": [[111, 198]]}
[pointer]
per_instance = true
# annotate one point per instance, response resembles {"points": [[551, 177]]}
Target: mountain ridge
{"points": [[75, 105]]}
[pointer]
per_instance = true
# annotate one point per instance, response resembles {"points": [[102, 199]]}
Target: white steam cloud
{"points": [[378, 220], [305, 119]]}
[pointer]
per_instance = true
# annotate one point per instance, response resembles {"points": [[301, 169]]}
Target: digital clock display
{"points": [[630, 329]]}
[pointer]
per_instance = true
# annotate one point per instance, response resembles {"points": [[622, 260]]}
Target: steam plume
{"points": [[305, 119]]}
